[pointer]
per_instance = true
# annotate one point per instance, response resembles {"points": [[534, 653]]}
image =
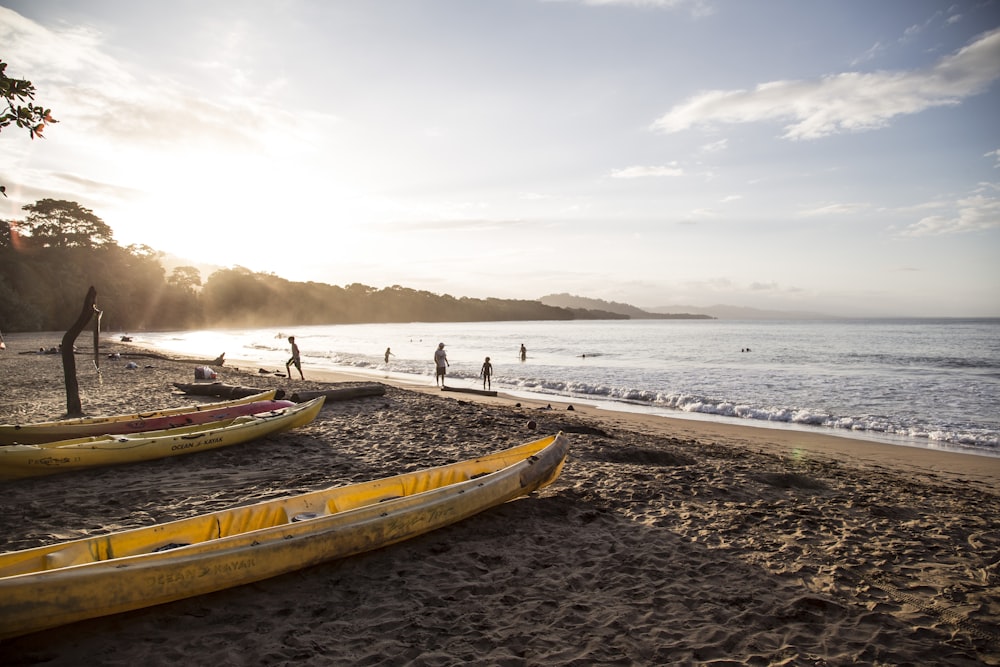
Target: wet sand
{"points": [[665, 541]]}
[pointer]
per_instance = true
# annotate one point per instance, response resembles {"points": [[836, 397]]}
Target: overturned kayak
{"points": [[53, 585], [20, 461], [64, 429]]}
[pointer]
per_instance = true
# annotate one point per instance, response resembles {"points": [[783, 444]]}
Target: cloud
{"points": [[715, 146], [645, 172], [995, 155], [834, 209], [637, 3], [846, 102], [870, 54], [92, 93], [698, 8], [457, 225], [37, 53], [974, 213], [97, 188]]}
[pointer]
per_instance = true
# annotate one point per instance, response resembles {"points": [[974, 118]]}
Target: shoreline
{"points": [[835, 388], [640, 409], [664, 541], [773, 440]]}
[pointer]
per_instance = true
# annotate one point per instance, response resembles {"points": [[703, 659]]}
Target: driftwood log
{"points": [[73, 406], [222, 390], [340, 393], [481, 392]]}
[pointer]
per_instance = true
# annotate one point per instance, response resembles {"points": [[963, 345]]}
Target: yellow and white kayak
{"points": [[64, 429], [19, 461], [53, 585]]}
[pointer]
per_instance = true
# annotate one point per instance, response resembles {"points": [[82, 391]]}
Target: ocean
{"points": [[931, 383]]}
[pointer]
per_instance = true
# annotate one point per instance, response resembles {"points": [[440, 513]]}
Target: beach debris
{"points": [[585, 430], [341, 393], [205, 373], [466, 390], [222, 390]]}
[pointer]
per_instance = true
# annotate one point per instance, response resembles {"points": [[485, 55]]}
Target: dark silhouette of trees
{"points": [[55, 223], [61, 245], [186, 278], [180, 306]]}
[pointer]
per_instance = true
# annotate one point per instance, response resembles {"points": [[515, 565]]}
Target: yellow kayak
{"points": [[64, 429], [19, 461], [53, 585]]}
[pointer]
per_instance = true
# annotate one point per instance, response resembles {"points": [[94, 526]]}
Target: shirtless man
{"points": [[295, 360]]}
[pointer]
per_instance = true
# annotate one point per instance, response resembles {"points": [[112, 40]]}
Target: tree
{"points": [[56, 223], [31, 117], [15, 92], [185, 277], [7, 234]]}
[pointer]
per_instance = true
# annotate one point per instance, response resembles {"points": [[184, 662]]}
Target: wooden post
{"points": [[97, 338], [73, 406]]}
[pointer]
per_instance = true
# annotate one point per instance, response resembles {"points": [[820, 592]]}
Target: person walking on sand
{"points": [[524, 352], [440, 364], [486, 372], [295, 359]]}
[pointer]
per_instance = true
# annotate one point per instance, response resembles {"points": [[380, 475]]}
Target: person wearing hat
{"points": [[440, 364]]}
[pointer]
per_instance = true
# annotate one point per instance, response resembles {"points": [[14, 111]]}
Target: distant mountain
{"points": [[718, 311], [621, 309], [723, 312]]}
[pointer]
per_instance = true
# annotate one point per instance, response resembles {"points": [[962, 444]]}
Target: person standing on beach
{"points": [[524, 352], [440, 364], [295, 359], [388, 353], [486, 372]]}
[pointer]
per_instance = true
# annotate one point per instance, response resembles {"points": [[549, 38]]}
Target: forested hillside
{"points": [[50, 259], [626, 310]]}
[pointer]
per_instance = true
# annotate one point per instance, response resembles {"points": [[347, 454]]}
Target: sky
{"points": [[835, 156]]}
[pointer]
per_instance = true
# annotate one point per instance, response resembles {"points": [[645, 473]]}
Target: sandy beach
{"points": [[665, 541]]}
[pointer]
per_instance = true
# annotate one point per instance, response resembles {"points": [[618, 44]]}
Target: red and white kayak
{"points": [[41, 432]]}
